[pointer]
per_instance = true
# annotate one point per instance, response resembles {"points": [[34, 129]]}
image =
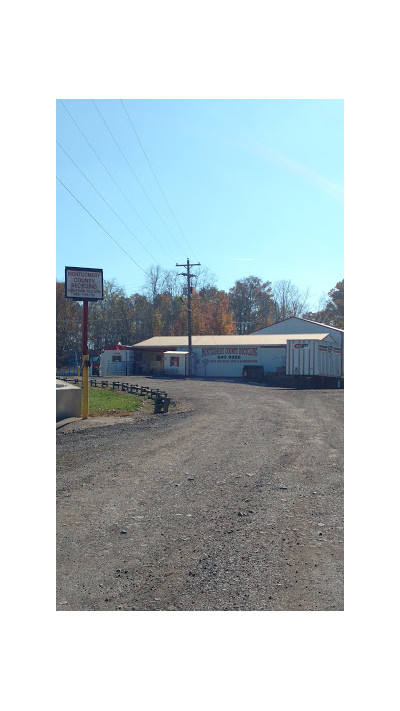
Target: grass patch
{"points": [[110, 402]]}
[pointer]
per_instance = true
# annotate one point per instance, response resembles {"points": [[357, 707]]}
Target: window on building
{"points": [[174, 360], [116, 359]]}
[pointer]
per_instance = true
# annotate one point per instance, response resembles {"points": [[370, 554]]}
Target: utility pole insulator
{"points": [[188, 276]]}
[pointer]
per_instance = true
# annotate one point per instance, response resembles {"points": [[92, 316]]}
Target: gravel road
{"points": [[231, 501]]}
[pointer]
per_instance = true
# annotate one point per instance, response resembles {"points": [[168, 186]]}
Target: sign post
{"points": [[85, 362], [83, 284]]}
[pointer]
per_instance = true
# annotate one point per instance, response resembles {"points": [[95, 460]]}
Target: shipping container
{"points": [[308, 357]]}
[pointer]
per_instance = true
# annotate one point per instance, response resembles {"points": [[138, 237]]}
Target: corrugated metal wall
{"points": [[313, 358], [295, 325]]}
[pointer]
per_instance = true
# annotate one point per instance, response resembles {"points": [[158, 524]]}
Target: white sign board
{"points": [[83, 284]]}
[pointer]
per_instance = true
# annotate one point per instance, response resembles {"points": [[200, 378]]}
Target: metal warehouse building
{"points": [[298, 325], [226, 356]]}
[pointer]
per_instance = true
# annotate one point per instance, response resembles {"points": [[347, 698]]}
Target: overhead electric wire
{"points": [[100, 225], [155, 177], [107, 171], [134, 174], [111, 208]]}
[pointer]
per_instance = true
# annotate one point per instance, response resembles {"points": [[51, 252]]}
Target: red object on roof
{"points": [[118, 347]]}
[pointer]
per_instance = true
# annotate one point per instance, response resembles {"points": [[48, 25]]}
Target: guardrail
{"points": [[161, 399]]}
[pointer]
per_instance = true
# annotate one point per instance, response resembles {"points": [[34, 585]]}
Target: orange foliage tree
{"points": [[211, 314]]}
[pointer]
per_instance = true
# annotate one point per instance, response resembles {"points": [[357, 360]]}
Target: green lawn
{"points": [[110, 402]]}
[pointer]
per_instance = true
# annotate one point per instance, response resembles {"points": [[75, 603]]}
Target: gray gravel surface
{"points": [[231, 501]]}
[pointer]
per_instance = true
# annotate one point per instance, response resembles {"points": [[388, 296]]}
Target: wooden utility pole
{"points": [[188, 275]]}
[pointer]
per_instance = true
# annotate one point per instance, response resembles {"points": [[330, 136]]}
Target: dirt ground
{"points": [[231, 501]]}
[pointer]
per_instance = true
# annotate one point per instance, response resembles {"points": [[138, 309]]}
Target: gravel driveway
{"points": [[231, 501]]}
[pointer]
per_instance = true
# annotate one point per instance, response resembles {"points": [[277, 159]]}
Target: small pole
{"points": [[85, 360]]}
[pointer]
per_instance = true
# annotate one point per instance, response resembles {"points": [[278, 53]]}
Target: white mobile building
{"points": [[223, 356], [117, 360]]}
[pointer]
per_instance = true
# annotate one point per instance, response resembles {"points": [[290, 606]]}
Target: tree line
{"points": [[161, 310]]}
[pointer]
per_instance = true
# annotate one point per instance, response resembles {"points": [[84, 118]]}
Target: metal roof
{"points": [[326, 325], [306, 320], [272, 339]]}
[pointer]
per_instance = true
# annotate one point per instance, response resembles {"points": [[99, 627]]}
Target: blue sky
{"points": [[255, 187]]}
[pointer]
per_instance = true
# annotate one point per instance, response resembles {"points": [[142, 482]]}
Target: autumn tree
{"points": [[166, 309], [335, 306], [218, 316], [142, 318], [211, 314], [68, 326], [203, 279], [163, 290], [180, 327], [252, 304], [332, 312], [288, 299], [110, 320]]}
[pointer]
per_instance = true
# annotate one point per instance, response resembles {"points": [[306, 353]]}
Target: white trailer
{"points": [[309, 357]]}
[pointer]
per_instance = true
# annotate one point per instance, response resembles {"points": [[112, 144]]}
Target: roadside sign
{"points": [[83, 284]]}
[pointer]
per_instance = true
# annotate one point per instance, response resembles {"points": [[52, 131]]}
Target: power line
{"points": [[111, 208], [133, 173], [108, 172], [100, 225], [155, 177]]}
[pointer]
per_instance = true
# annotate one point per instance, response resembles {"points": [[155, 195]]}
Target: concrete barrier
{"points": [[68, 400]]}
